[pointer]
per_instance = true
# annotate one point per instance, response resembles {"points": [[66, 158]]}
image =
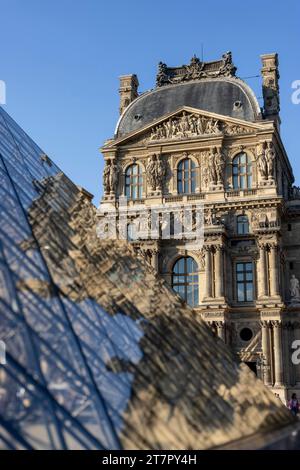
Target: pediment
{"points": [[187, 123]]}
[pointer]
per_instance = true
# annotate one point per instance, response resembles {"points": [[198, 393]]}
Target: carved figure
{"points": [[294, 288], [270, 157], [155, 171]]}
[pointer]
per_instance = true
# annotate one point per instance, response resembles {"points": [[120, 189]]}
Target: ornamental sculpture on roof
{"points": [[195, 70]]}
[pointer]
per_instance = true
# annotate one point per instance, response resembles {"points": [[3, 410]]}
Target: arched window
{"points": [[185, 280], [134, 182], [242, 171], [186, 176], [242, 224]]}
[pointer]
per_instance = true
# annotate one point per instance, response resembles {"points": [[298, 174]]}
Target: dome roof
{"points": [[226, 96]]}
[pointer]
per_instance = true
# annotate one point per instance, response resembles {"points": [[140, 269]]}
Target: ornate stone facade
{"points": [[236, 164]]}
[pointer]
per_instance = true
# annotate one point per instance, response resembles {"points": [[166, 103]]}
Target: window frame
{"points": [[238, 174], [186, 176], [242, 224], [189, 287], [244, 282], [132, 187]]}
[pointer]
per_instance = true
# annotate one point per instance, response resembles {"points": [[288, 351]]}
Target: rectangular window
{"points": [[242, 225], [244, 282]]}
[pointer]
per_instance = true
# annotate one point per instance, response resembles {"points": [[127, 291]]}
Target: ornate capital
{"points": [[264, 323], [276, 323]]}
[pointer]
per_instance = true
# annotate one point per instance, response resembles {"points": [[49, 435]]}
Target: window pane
{"points": [[240, 292], [249, 291], [193, 185]]}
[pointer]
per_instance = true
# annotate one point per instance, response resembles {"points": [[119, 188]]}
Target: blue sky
{"points": [[61, 59]]}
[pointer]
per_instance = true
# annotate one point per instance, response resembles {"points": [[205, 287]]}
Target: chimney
{"points": [[270, 75], [128, 90]]}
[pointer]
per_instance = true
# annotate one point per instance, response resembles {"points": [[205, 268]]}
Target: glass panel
{"points": [[240, 292], [193, 185], [249, 287]]}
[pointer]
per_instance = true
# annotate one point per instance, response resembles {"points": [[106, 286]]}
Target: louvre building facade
{"points": [[200, 137]]}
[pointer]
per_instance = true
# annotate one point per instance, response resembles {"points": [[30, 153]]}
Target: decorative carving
{"points": [[266, 160], [186, 125], [220, 163], [270, 158], [202, 259], [195, 70], [162, 75], [270, 76], [216, 167], [156, 172], [295, 192], [294, 289], [110, 176]]}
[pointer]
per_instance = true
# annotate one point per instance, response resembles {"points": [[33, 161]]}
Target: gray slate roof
{"points": [[213, 95]]}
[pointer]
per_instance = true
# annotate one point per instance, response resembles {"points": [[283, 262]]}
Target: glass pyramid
{"points": [[97, 353]]}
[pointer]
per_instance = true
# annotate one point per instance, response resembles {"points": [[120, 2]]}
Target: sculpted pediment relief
{"points": [[188, 123]]}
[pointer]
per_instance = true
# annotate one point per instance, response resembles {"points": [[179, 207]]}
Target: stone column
{"points": [[273, 264], [154, 259], [220, 330], [219, 272], [265, 343], [262, 274], [278, 353], [208, 271]]}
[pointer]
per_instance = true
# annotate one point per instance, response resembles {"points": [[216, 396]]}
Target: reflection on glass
{"points": [[186, 176], [133, 182], [244, 282], [242, 171], [185, 280]]}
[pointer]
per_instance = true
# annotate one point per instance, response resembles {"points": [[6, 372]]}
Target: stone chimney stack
{"points": [[128, 90], [270, 75]]}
